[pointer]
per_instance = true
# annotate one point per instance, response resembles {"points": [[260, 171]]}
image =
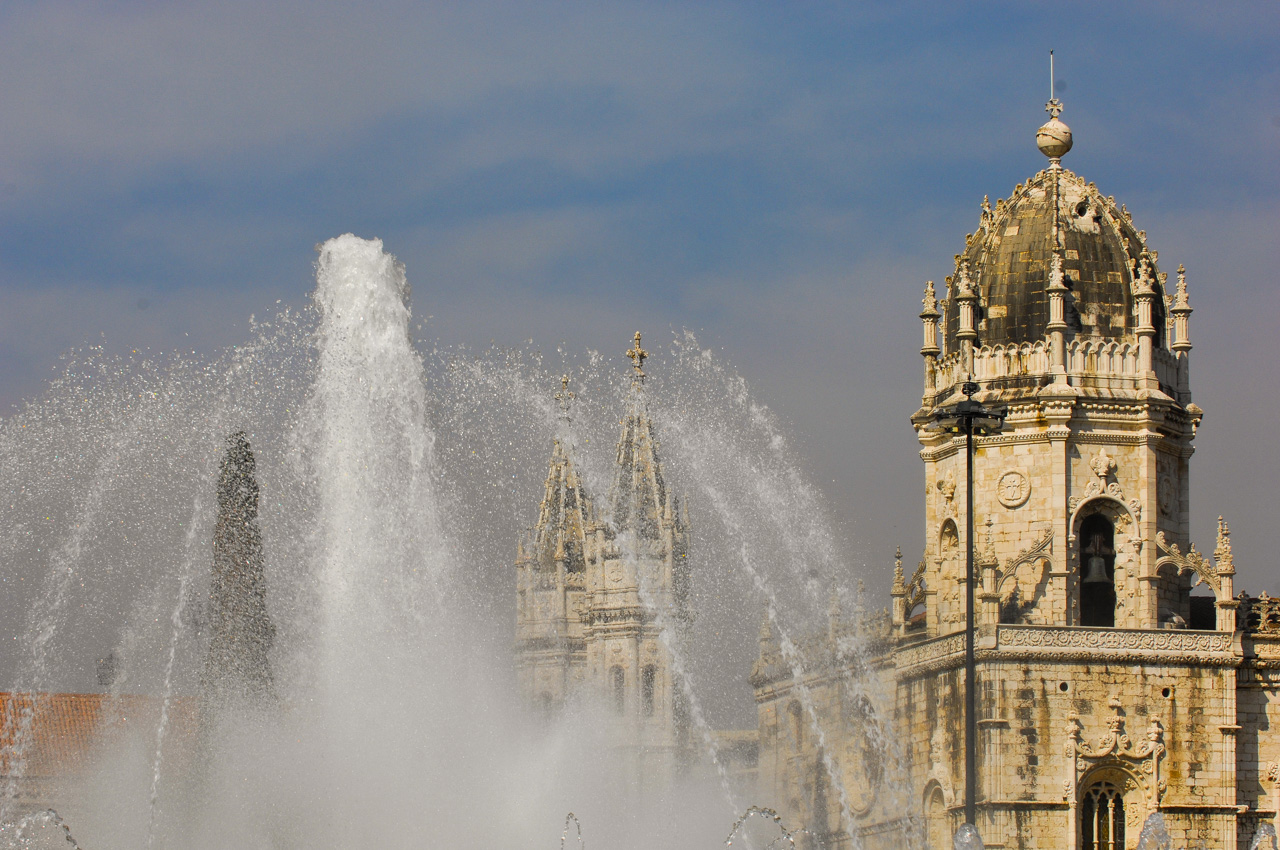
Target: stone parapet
{"points": [[1117, 646], [1075, 644]]}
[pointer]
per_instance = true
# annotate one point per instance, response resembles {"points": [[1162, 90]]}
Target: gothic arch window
{"points": [[1097, 571], [619, 681], [1102, 817], [795, 716], [648, 686], [948, 541]]}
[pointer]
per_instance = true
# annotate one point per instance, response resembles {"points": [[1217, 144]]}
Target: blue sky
{"points": [[781, 178]]}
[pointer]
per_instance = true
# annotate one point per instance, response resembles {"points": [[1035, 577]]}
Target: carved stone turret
{"points": [[1181, 311], [929, 316]]}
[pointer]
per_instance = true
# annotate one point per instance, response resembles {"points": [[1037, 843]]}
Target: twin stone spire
{"points": [[596, 589]]}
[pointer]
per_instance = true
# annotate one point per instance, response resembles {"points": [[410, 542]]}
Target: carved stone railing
{"points": [[934, 650], [1259, 614], [1077, 643], [1101, 357], [1091, 357]]}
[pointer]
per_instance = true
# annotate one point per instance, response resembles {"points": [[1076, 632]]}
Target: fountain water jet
{"points": [[381, 526]]}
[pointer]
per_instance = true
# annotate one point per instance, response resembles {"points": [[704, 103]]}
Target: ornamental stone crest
{"points": [[1013, 488], [1102, 465], [1114, 747], [947, 487]]}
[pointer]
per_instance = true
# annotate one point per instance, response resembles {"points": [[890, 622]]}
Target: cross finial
{"points": [[637, 355], [565, 397], [1054, 106]]}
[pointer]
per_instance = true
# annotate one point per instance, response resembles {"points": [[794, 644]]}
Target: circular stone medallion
{"points": [[1013, 489]]}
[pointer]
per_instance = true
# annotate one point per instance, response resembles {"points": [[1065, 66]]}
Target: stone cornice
{"points": [[1075, 644], [1109, 438], [1145, 646]]}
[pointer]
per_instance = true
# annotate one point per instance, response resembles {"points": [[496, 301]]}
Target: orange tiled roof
{"points": [[63, 729]]}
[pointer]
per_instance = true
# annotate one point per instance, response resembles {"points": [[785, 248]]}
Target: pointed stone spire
{"points": [[766, 630], [564, 515], [639, 500], [899, 578], [564, 398], [966, 300], [989, 556], [1222, 556], [1181, 311], [236, 666], [929, 317], [637, 355]]}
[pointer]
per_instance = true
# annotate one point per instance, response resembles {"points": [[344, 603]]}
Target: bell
{"points": [[1097, 571]]}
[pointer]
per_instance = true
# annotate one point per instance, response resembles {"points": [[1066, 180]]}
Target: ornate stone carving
{"points": [[1141, 760], [1260, 613], [1193, 562], [947, 487], [933, 650], [1102, 465], [1013, 488], [1068, 637], [915, 590]]}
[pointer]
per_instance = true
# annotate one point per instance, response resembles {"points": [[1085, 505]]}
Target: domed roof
{"points": [[1009, 257]]}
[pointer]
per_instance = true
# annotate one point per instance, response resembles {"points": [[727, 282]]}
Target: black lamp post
{"points": [[968, 417]]}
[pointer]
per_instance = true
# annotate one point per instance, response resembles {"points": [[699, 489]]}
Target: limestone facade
{"points": [[1117, 671], [594, 596]]}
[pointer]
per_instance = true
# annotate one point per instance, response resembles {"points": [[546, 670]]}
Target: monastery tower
{"points": [[597, 593], [1117, 674]]}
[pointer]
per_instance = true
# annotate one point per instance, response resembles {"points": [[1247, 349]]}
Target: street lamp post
{"points": [[969, 417]]}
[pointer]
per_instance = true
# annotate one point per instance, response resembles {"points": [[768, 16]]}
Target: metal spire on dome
{"points": [[1054, 137], [1054, 106]]}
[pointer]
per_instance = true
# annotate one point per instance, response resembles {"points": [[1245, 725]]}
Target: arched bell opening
{"points": [[1097, 571]]}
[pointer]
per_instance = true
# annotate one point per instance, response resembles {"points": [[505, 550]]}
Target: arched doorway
{"points": [[1102, 816]]}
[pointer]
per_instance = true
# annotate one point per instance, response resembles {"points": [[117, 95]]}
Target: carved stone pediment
{"points": [[1114, 748]]}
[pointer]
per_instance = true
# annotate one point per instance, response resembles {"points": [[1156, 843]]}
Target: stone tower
{"points": [[551, 580], [1058, 311], [1106, 688], [640, 589], [600, 595]]}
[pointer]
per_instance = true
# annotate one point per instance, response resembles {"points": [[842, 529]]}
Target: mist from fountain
{"points": [[395, 478]]}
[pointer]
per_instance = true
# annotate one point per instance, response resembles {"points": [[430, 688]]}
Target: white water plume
{"points": [[395, 479]]}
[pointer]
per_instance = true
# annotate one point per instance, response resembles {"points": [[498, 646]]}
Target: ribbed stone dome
{"points": [[1009, 259]]}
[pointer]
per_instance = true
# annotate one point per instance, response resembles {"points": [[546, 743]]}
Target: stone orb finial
{"points": [[1053, 138]]}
